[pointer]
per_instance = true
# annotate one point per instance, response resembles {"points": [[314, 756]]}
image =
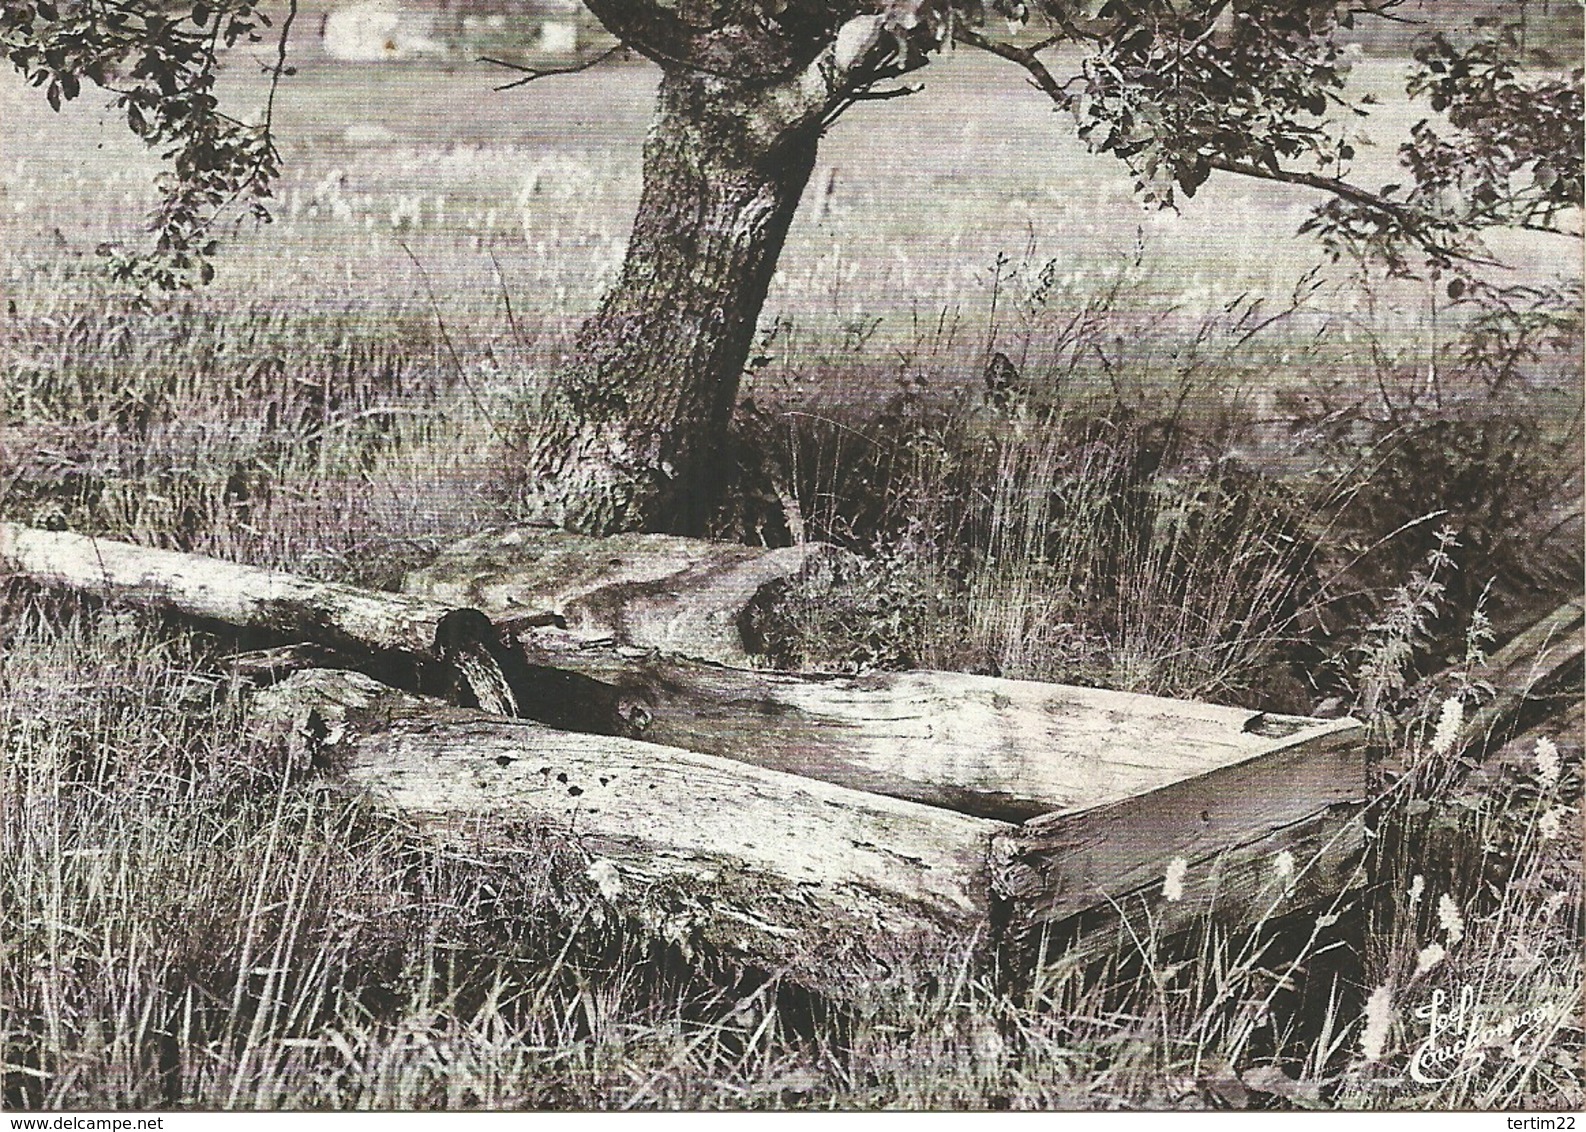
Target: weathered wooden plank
{"points": [[1006, 749], [1009, 749], [781, 870], [833, 886], [1056, 866], [1311, 866], [685, 596]]}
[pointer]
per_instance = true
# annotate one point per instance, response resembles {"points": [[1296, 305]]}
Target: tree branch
{"points": [[277, 70], [532, 73], [1413, 221], [863, 52], [744, 50], [1415, 224], [1025, 57]]}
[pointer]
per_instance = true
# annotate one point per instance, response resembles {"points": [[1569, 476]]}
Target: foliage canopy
{"points": [[1175, 89]]}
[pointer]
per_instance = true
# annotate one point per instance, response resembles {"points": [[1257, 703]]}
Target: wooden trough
{"points": [[838, 829]]}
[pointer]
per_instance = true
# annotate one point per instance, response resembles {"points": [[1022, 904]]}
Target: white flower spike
{"points": [[1379, 1015], [1428, 957], [1547, 764], [1450, 919], [1173, 883], [1448, 724]]}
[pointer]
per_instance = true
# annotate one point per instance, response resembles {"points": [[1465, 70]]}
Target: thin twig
{"points": [[451, 348], [532, 73], [1025, 57], [884, 95], [279, 68], [506, 297]]}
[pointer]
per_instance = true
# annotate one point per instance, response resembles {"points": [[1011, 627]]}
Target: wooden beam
{"points": [[843, 891], [1314, 865], [1058, 865], [1004, 749], [1010, 749], [460, 643]]}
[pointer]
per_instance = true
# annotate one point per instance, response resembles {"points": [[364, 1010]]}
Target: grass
{"points": [[1145, 491], [191, 922], [1147, 513]]}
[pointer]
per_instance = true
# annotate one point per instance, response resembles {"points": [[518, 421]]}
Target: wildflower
{"points": [[606, 878], [1448, 724], [1547, 826], [1417, 889], [1379, 1013], [1173, 883], [1547, 764], [1428, 957], [1284, 864], [1449, 918]]}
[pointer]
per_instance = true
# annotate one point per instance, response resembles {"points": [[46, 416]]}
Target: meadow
{"points": [[1073, 440]]}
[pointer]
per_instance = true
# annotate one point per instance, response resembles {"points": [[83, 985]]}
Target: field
{"points": [[1208, 465]]}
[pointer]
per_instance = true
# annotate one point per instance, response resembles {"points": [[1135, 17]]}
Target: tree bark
{"points": [[630, 436], [632, 431]]}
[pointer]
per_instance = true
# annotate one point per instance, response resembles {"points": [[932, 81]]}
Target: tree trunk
{"points": [[631, 434]]}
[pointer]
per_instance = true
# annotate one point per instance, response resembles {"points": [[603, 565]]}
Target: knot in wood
{"points": [[634, 714], [460, 630], [467, 642]]}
